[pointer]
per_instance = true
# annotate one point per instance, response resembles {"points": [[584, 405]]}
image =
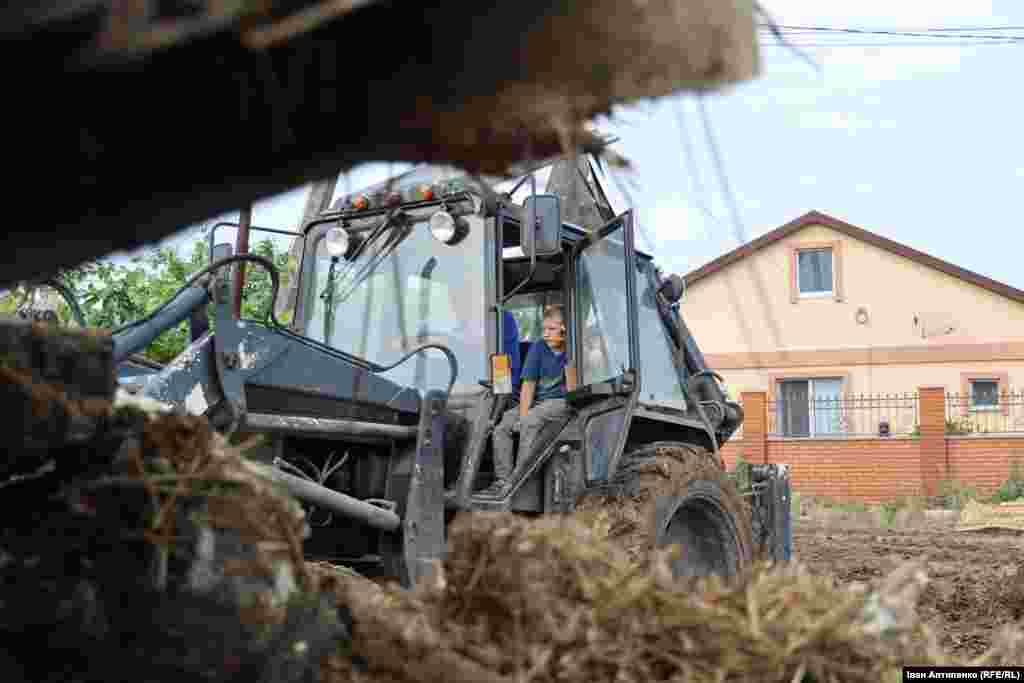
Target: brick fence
{"points": [[880, 469]]}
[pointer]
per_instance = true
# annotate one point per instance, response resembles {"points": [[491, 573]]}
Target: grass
{"points": [[1013, 487], [890, 508], [852, 506], [884, 515], [953, 494]]}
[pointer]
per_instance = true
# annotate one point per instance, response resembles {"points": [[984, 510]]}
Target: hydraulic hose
{"points": [[275, 283], [134, 339], [69, 297]]}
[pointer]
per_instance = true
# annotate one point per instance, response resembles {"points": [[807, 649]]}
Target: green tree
{"points": [[112, 294]]}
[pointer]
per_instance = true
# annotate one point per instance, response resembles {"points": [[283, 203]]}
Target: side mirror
{"points": [[672, 288], [541, 231]]}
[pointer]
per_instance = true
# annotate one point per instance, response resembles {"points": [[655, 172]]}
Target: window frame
{"points": [[775, 382], [967, 380], [836, 293], [824, 293], [984, 407]]}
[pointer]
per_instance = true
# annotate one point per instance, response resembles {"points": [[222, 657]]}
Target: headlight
{"points": [[446, 229], [442, 226], [337, 242]]}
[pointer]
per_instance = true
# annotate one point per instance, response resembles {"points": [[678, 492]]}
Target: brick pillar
{"points": [[755, 426], [932, 409]]}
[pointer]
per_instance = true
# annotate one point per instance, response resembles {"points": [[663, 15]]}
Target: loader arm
{"points": [[136, 336], [254, 377]]}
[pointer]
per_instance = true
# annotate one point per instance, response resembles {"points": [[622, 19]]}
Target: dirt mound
{"points": [[975, 580], [552, 600], [145, 548], [1012, 593]]}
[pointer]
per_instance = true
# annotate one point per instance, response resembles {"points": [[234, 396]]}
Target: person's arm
{"points": [[570, 376], [526, 396]]}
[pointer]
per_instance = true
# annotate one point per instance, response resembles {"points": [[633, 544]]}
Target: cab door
{"points": [[605, 344]]}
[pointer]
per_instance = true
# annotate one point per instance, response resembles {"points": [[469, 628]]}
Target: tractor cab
{"points": [[412, 275], [379, 386]]}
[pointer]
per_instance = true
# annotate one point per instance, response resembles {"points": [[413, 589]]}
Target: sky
{"points": [[920, 144]]}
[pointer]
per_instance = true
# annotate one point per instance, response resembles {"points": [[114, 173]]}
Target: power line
{"points": [[741, 237], [978, 28], [808, 30], [893, 44]]}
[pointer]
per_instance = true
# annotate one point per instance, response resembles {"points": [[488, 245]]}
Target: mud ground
{"points": [[977, 578]]}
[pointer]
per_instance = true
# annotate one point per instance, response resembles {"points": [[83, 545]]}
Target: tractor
{"points": [[378, 398]]}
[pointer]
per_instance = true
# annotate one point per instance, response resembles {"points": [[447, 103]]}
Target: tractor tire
{"points": [[677, 494]]}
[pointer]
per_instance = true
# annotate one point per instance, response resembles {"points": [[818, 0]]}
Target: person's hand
{"points": [[516, 425], [570, 376]]}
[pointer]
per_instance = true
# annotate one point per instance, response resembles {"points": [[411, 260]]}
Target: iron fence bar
{"points": [[843, 415]]}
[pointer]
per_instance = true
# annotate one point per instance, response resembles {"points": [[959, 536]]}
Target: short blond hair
{"points": [[554, 311]]}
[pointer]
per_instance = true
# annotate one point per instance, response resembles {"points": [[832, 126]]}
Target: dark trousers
{"points": [[535, 428]]}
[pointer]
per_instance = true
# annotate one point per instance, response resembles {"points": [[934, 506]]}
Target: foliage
{"points": [[850, 506], [954, 427], [1013, 487], [891, 507], [960, 427], [742, 476], [954, 494], [889, 510], [112, 294]]}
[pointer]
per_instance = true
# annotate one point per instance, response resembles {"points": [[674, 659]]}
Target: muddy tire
{"points": [[679, 494]]}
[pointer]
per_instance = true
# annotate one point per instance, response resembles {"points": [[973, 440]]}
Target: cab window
{"points": [[659, 379]]}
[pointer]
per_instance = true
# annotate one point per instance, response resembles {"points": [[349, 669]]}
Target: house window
{"points": [[814, 272], [984, 393], [809, 407]]}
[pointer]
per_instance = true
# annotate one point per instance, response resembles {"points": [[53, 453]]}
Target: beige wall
{"points": [[879, 383], [879, 379], [746, 306]]}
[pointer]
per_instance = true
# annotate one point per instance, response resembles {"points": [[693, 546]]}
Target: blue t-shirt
{"points": [[547, 369]]}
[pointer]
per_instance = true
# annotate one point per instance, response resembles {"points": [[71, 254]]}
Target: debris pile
{"points": [[980, 516], [554, 600], [140, 546]]}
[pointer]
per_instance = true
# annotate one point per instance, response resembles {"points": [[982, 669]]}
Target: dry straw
{"points": [[553, 600]]}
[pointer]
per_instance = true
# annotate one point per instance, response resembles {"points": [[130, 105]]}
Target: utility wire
{"points": [[806, 30], [739, 229], [985, 43], [817, 37], [699, 192], [978, 28]]}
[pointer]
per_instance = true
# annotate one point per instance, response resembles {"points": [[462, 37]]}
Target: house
{"points": [[840, 326]]}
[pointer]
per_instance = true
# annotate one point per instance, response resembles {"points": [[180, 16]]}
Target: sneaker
{"points": [[496, 489]]}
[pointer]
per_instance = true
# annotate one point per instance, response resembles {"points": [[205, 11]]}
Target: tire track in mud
{"points": [[977, 578]]}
